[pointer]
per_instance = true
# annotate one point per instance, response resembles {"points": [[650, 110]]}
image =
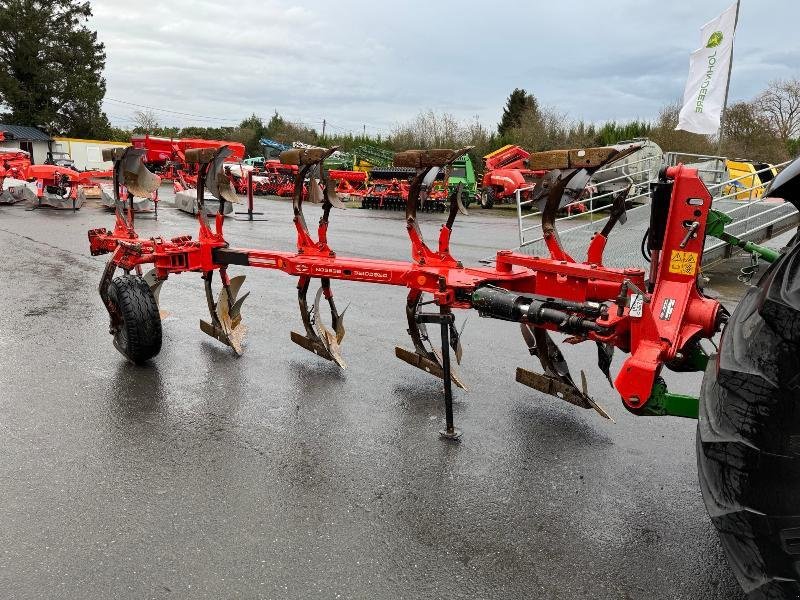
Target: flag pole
{"points": [[728, 83]]}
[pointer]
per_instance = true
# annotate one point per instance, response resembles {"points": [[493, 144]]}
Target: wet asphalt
{"points": [[277, 475]]}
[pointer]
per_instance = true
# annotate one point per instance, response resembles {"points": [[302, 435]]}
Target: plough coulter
{"points": [[658, 317]]}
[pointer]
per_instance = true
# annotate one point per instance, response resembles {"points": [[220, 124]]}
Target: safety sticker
{"points": [[683, 262], [637, 304]]}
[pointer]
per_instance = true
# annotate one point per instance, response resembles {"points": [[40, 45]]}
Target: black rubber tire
{"points": [[488, 197], [748, 435], [466, 199], [138, 337]]}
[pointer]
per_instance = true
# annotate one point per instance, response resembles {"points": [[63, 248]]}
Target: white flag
{"points": [[709, 67]]}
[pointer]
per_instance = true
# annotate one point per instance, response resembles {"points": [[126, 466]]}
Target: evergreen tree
{"points": [[51, 67], [519, 102], [254, 129]]}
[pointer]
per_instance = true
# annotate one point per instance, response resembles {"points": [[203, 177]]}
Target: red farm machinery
{"points": [[167, 156], [349, 184], [656, 314], [45, 185], [389, 188], [505, 171]]}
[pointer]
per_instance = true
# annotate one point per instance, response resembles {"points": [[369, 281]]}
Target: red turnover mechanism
{"points": [[658, 318]]}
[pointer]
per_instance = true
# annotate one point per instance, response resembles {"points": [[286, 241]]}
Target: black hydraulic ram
{"points": [[568, 317], [661, 195]]}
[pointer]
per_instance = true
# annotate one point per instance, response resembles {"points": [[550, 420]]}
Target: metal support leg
{"points": [[444, 319], [450, 433], [250, 211]]}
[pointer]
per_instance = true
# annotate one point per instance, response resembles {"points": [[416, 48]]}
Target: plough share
{"points": [[658, 318]]}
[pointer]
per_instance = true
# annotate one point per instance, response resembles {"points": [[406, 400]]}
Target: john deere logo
{"points": [[715, 39]]}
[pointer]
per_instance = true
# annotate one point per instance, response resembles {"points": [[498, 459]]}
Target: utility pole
{"points": [[365, 131], [323, 127]]}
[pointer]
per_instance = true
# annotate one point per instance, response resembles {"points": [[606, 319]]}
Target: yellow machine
{"points": [[748, 179]]}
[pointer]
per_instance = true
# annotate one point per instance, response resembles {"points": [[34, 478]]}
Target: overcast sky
{"points": [[378, 63]]}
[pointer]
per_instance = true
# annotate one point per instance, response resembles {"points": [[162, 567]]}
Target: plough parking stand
{"points": [[658, 322], [749, 409]]}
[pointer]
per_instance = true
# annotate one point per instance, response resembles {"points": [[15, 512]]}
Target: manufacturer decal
{"points": [[326, 271], [667, 308], [371, 274]]}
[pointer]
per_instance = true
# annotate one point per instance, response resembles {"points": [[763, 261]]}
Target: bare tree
{"points": [[430, 130], [145, 121], [780, 105], [665, 135], [542, 128], [747, 133]]}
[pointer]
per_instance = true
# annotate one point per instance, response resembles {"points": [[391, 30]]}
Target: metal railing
{"points": [[754, 218], [712, 169], [638, 174]]}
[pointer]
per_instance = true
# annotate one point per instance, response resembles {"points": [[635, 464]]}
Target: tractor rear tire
{"points": [[488, 196], [138, 336], [748, 435]]}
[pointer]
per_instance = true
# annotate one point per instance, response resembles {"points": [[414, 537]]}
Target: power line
{"points": [[300, 121], [174, 112]]}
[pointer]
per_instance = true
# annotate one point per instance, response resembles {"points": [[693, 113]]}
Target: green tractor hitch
{"points": [[715, 227]]}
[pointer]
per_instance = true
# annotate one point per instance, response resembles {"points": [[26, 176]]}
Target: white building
{"points": [[87, 154], [35, 142]]}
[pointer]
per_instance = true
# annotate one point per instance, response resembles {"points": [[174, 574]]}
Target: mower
{"points": [[658, 315], [140, 205], [52, 185]]}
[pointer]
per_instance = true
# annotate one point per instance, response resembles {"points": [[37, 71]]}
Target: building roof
{"points": [[22, 133]]}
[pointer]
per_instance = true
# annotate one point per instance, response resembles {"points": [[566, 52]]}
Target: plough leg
{"points": [[557, 380], [429, 359], [319, 339], [226, 317]]}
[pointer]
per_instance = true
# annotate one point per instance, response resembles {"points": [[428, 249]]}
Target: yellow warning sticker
{"points": [[682, 262]]}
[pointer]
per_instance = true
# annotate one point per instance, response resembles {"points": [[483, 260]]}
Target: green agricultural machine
{"points": [[463, 174]]}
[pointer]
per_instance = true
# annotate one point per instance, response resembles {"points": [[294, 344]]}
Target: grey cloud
{"points": [[378, 63]]}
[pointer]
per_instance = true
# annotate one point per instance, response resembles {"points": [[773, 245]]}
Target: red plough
{"points": [[659, 320]]}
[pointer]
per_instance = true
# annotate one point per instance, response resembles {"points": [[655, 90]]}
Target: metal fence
{"points": [[755, 219], [586, 215]]}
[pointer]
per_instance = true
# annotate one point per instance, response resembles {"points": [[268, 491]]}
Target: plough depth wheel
{"points": [[748, 442], [138, 333]]}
